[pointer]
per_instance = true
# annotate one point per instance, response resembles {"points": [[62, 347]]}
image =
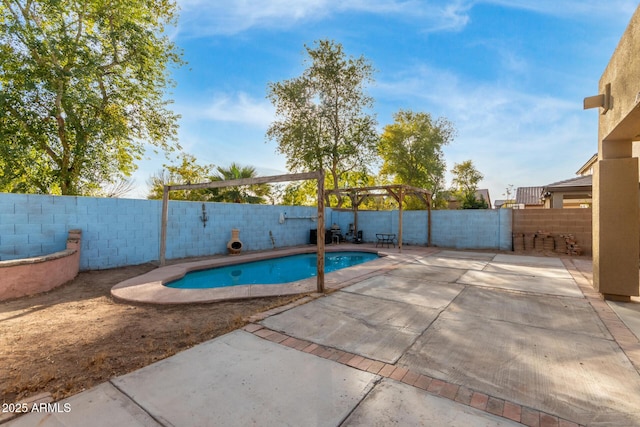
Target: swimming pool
{"points": [[270, 271]]}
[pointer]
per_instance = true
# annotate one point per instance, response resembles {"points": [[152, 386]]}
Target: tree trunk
{"points": [[336, 186]]}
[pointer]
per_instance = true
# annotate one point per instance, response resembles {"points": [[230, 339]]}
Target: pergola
{"points": [[357, 195], [397, 191]]}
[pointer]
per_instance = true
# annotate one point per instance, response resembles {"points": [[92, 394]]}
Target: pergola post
{"points": [[429, 222], [355, 204], [400, 200], [163, 225], [320, 233]]}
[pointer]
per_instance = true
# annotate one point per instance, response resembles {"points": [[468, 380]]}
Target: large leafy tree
{"points": [[82, 86], [238, 194], [411, 151], [186, 171], [465, 182], [323, 116]]}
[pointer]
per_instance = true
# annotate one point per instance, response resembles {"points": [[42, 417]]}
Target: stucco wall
{"points": [[622, 73], [40, 274]]}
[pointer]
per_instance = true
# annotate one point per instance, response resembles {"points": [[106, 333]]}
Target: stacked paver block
{"points": [[518, 242], [538, 241], [572, 247]]}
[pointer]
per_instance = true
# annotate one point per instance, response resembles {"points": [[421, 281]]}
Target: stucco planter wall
{"points": [[30, 276]]}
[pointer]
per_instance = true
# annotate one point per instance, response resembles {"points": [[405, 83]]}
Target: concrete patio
{"points": [[436, 338]]}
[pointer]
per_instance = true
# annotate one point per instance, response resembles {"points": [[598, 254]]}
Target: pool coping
{"points": [[149, 287]]}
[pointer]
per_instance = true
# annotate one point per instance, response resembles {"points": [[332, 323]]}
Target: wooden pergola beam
{"points": [[247, 181]]}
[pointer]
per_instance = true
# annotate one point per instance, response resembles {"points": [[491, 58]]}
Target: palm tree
{"points": [[242, 194]]}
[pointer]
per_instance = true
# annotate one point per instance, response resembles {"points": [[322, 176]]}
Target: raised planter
{"points": [[30, 276]]}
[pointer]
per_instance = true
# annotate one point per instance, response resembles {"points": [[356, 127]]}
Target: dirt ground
{"points": [[77, 336]]}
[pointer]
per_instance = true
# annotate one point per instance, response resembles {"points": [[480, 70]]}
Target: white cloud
{"points": [[513, 137], [235, 108], [477, 104], [241, 109], [204, 17]]}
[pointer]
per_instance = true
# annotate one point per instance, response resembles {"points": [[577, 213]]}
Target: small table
{"points": [[384, 238]]}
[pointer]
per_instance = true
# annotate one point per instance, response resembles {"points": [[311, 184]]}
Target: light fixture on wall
{"points": [[204, 217]]}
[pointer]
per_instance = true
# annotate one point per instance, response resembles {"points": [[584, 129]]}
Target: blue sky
{"points": [[510, 75]]}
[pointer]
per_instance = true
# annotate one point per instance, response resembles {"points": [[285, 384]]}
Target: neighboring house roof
{"points": [[579, 183], [499, 203], [529, 195], [485, 195], [586, 168]]}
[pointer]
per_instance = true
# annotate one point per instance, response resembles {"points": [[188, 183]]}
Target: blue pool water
{"points": [[270, 271]]}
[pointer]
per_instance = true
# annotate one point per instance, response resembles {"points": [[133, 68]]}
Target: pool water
{"points": [[270, 271]]}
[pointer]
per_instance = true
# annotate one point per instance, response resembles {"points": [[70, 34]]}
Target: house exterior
{"points": [[587, 168], [526, 198], [570, 193], [529, 198], [501, 203], [573, 192], [454, 203]]}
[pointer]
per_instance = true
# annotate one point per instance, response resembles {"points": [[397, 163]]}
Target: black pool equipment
{"points": [[313, 236]]}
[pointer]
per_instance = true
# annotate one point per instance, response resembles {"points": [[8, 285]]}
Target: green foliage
{"points": [[469, 201], [323, 121], [242, 194], [301, 193], [305, 193], [466, 177], [186, 172], [81, 90], [465, 180], [411, 151]]}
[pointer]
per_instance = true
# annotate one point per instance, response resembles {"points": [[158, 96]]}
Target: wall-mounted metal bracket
{"points": [[204, 217]]}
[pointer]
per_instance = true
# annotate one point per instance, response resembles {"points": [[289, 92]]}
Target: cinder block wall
{"points": [[116, 232], [472, 229], [461, 229], [556, 221], [369, 222], [259, 226], [119, 232]]}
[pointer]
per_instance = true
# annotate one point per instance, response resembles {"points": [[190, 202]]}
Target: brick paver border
{"points": [[494, 405], [627, 341]]}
